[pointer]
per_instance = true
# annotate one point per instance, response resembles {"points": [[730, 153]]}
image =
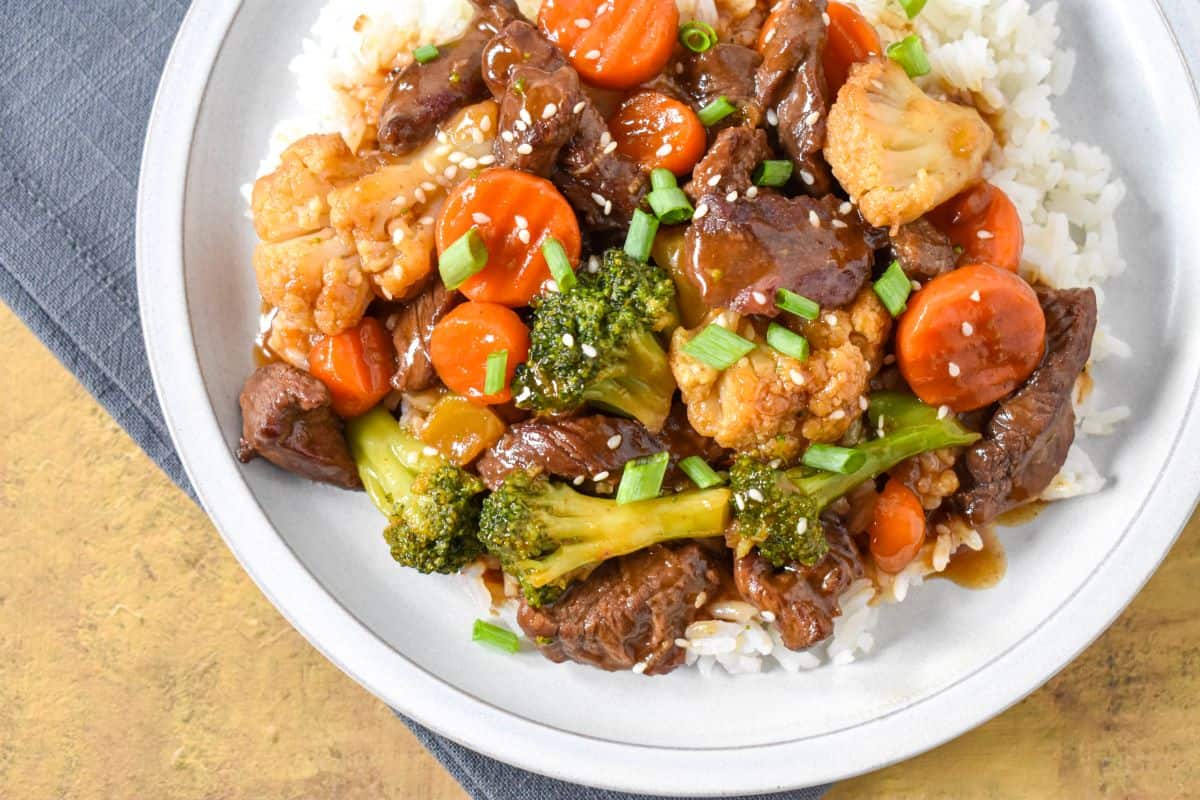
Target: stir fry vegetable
{"points": [[897, 527], [659, 132], [615, 44], [984, 224], [851, 39], [356, 366], [467, 343]]}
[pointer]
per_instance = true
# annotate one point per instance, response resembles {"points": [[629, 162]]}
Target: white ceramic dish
{"points": [[947, 660]]}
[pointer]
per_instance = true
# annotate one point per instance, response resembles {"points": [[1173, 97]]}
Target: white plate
{"points": [[947, 660]]}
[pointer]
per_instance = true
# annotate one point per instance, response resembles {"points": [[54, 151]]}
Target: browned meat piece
{"points": [[724, 70], [745, 30], [287, 419], [729, 162], [411, 328], [1026, 442], [803, 599], [629, 611], [537, 118], [592, 449], [923, 250], [791, 83], [425, 95], [603, 186], [518, 44]]}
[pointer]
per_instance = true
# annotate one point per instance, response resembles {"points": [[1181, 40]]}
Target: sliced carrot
{"points": [[851, 39], [614, 44], [515, 213], [464, 339], [658, 131], [985, 225], [970, 337], [356, 365], [897, 528]]}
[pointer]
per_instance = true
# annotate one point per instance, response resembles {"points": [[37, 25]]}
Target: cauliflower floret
{"points": [[389, 214], [770, 404], [899, 152]]}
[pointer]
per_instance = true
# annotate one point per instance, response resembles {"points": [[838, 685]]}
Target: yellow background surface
{"points": [[137, 660]]}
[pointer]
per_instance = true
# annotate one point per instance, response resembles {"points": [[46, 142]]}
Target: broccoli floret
{"points": [[546, 534], [596, 344], [433, 506], [779, 511]]}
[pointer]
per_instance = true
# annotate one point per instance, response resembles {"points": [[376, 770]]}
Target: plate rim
{"points": [[474, 722]]}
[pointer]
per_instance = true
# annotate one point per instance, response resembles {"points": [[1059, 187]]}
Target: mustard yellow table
{"points": [[138, 661]]}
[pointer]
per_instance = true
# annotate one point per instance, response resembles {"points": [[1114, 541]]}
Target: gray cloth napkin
{"points": [[77, 80]]}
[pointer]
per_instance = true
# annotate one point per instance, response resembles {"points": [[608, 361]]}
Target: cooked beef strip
{"points": [[923, 251], [742, 250], [592, 176], [287, 419], [803, 599], [518, 44], [425, 95], [411, 328], [745, 30], [723, 70], [629, 611], [791, 82], [530, 139], [1026, 441]]}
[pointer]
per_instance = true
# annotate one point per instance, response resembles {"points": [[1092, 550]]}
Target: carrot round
{"points": [[985, 225], [515, 213], [463, 341], [659, 132], [850, 39], [356, 365], [614, 44], [897, 527], [970, 337]]}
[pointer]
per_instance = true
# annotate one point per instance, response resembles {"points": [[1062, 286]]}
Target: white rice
{"points": [[1003, 52]]}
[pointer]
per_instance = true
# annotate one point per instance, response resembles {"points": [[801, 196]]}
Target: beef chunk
{"points": [[537, 118], [629, 611], [603, 186], [412, 327], [923, 250], [517, 44], [803, 599], [742, 250], [746, 29], [287, 419], [425, 95], [791, 82], [1027, 439], [724, 70]]}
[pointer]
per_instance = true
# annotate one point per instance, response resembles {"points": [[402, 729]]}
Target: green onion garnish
{"points": [[495, 636], [797, 304], [909, 54], [716, 111], [912, 7], [426, 53], [700, 472], [718, 347], [467, 256], [772, 173], [497, 371], [786, 342], [830, 458], [671, 206], [560, 266], [643, 478], [894, 288], [642, 229], [697, 36], [663, 179]]}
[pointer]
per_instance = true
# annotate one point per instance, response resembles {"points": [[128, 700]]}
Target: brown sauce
{"points": [[978, 569], [1021, 514], [493, 579], [262, 352]]}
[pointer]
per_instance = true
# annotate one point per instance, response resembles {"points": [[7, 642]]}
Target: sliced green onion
{"points": [[697, 36], [786, 342], [797, 304], [643, 478], [700, 472], [894, 288], [467, 256], [772, 173], [718, 347], [716, 111], [671, 206], [497, 371], [642, 229], [909, 54], [560, 266], [912, 7], [830, 458], [495, 636], [663, 179], [426, 53]]}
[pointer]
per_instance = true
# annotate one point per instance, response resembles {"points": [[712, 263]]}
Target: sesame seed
{"points": [[525, 148], [770, 35], [715, 179], [678, 68], [579, 107], [968, 329], [776, 463], [401, 200], [520, 221], [916, 286], [825, 19], [579, 480], [767, 616], [450, 172], [419, 193], [525, 394], [607, 207], [430, 168], [609, 148], [568, 340], [593, 265], [599, 476], [442, 138], [486, 161], [456, 157], [808, 178], [429, 451], [443, 150], [605, 138], [614, 441], [759, 297], [701, 210], [814, 219], [398, 236], [426, 220], [831, 319], [797, 377], [508, 136], [476, 136], [845, 208], [583, 24], [863, 403], [943, 412], [520, 126], [549, 111], [755, 495], [812, 118], [599, 199], [588, 350], [664, 151], [526, 117], [739, 502], [772, 117], [982, 234], [954, 370], [524, 236], [975, 296], [801, 527], [837, 223], [838, 415], [470, 163], [551, 286], [732, 197], [752, 192], [485, 124], [592, 55]]}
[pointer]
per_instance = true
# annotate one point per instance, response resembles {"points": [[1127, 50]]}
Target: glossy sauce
{"points": [[493, 579], [1021, 514], [262, 352], [978, 569]]}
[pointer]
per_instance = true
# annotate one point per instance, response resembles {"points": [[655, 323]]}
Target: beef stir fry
{"points": [[651, 316]]}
